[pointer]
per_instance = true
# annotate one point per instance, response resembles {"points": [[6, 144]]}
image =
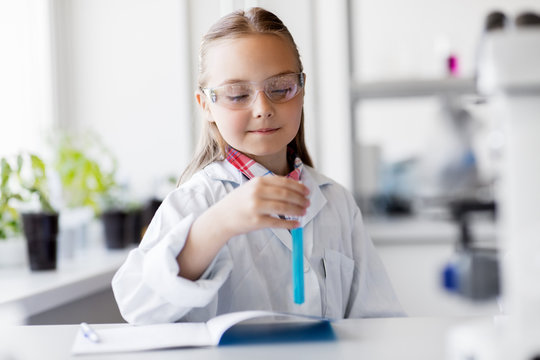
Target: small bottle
{"points": [[452, 65]]}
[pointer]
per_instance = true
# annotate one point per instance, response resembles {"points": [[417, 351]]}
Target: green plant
{"points": [[22, 178], [36, 182], [85, 180], [10, 223]]}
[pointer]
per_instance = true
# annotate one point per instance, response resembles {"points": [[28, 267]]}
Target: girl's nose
{"points": [[262, 106]]}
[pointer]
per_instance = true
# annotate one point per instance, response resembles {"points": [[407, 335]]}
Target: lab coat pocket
{"points": [[339, 271]]}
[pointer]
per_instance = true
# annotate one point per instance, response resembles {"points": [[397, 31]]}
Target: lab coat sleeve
{"points": [[372, 294], [147, 287]]}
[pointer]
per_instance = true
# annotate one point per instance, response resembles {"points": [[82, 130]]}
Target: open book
{"points": [[126, 338]]}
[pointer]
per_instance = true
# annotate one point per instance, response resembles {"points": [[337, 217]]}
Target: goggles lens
{"points": [[278, 89]]}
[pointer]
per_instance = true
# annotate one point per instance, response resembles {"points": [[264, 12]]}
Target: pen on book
{"points": [[89, 333]]}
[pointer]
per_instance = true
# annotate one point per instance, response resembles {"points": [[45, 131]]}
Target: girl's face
{"points": [[263, 130]]}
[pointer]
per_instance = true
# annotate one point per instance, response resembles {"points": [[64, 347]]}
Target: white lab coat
{"points": [[343, 274]]}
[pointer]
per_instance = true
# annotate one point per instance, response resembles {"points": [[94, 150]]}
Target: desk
{"points": [[359, 339]]}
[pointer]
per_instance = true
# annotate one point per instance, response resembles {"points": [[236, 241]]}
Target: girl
{"points": [[220, 241]]}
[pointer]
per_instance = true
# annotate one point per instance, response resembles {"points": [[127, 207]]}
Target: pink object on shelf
{"points": [[453, 65]]}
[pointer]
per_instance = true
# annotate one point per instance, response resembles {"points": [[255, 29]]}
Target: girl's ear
{"points": [[202, 101]]}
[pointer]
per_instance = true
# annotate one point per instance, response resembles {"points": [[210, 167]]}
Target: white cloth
{"points": [[343, 274]]}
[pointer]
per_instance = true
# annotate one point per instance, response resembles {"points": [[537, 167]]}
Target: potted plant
{"points": [[86, 170], [26, 182], [40, 226]]}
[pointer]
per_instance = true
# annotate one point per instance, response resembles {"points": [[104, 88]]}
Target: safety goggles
{"points": [[241, 95]]}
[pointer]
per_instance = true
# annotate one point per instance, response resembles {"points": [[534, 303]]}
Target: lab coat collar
{"points": [[224, 171]]}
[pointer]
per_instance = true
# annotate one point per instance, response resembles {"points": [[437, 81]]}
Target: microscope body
{"points": [[509, 76]]}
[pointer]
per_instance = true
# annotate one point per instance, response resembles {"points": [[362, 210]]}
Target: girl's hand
{"points": [[255, 204], [252, 206]]}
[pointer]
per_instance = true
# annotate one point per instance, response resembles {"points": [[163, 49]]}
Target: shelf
{"points": [[421, 231], [412, 88], [36, 292]]}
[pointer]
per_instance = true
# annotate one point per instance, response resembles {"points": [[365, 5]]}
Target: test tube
{"points": [[298, 264]]}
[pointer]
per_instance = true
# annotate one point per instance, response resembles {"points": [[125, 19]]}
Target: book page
{"points": [[218, 325], [136, 338]]}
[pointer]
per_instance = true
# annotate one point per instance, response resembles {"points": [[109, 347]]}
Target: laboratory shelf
{"points": [[418, 230], [443, 89], [411, 88]]}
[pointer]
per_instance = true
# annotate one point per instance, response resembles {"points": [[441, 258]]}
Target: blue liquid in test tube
{"points": [[298, 264]]}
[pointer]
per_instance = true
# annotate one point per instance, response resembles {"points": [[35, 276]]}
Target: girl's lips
{"points": [[264, 131]]}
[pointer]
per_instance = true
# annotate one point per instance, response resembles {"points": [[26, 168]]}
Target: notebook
{"points": [[128, 338]]}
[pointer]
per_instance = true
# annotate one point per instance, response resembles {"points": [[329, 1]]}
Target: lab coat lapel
{"points": [[284, 236], [316, 196], [317, 199]]}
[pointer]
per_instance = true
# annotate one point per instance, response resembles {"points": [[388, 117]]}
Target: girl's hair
{"points": [[212, 146]]}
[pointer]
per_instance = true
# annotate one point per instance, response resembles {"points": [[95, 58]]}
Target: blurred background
{"points": [[391, 106]]}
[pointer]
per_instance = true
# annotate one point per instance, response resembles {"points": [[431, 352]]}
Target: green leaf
{"points": [[38, 166], [19, 163], [6, 172]]}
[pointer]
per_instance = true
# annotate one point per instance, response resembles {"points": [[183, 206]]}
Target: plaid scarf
{"points": [[250, 168]]}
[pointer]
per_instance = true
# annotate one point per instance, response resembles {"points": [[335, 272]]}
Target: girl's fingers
{"points": [[256, 204], [288, 191], [283, 182], [269, 207], [280, 196]]}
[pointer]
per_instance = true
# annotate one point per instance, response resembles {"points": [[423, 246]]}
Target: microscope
{"points": [[509, 76]]}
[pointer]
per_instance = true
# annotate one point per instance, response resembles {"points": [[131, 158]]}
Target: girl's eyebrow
{"points": [[235, 81]]}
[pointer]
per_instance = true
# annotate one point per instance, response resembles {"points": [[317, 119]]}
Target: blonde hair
{"points": [[211, 146]]}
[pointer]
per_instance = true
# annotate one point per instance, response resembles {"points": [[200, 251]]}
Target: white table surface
{"points": [[369, 339]]}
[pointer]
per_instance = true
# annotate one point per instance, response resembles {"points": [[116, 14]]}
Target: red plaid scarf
{"points": [[250, 168]]}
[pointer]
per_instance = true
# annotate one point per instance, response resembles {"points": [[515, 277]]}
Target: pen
{"points": [[298, 264], [89, 333]]}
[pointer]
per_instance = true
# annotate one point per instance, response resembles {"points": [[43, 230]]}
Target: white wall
{"points": [[26, 104], [125, 76]]}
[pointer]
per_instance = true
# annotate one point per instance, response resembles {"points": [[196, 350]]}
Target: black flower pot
{"points": [[114, 223], [122, 227], [134, 219], [41, 232]]}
